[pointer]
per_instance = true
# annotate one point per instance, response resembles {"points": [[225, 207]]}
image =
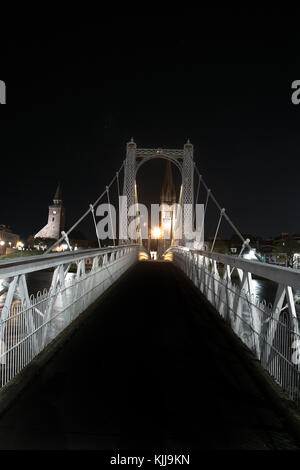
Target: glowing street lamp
{"points": [[156, 232], [2, 243]]}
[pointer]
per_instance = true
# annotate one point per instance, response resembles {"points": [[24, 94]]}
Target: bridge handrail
{"points": [[29, 321], [15, 267], [274, 273], [271, 330]]}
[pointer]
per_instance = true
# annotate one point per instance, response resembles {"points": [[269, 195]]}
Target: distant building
{"points": [[282, 250], [287, 250], [8, 240], [56, 219]]}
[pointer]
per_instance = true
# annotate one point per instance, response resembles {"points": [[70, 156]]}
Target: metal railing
{"points": [[271, 331], [29, 322]]}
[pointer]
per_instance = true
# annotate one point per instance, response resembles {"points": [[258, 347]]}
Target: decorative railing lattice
{"points": [[29, 322], [271, 331]]}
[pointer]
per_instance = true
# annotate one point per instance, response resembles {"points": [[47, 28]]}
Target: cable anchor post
{"points": [[246, 244], [66, 238]]}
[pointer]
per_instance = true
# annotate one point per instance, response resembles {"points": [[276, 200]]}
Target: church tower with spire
{"points": [[167, 199], [56, 218]]}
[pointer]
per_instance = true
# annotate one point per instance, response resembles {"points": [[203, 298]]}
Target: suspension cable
{"points": [[139, 232], [217, 230], [225, 214], [118, 184], [178, 217], [96, 228], [84, 215], [111, 222], [205, 208], [116, 178]]}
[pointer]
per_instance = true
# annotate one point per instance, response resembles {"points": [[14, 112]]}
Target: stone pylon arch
{"points": [[182, 158]]}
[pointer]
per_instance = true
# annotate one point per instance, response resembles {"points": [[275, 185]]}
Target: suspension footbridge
{"points": [[163, 353]]}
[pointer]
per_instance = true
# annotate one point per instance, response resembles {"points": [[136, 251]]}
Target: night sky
{"points": [[77, 92]]}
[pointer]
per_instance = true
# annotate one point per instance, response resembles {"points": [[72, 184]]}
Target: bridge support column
{"points": [[129, 183], [187, 191]]}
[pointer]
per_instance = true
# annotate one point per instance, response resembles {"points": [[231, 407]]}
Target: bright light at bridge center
{"points": [[156, 232]]}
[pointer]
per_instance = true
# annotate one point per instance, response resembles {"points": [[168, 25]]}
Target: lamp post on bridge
{"points": [[156, 233]]}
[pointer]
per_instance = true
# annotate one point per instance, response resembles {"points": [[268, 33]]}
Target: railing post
{"points": [[49, 307], [25, 302], [7, 305], [272, 323], [256, 321], [229, 294]]}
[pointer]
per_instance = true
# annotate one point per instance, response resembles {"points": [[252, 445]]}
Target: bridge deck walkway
{"points": [[151, 368]]}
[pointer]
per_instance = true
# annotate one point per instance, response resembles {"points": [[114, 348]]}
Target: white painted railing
{"points": [[270, 331], [29, 322]]}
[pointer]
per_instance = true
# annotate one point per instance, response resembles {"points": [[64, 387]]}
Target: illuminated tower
{"points": [[167, 199], [56, 218]]}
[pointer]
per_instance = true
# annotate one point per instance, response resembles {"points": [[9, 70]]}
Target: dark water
{"points": [[36, 282], [265, 290], [39, 281]]}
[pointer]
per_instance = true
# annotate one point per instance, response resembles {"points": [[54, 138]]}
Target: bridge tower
{"points": [[188, 187], [182, 158], [129, 182]]}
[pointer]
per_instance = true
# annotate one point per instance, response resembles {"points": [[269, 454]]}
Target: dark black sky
{"points": [[77, 92]]}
